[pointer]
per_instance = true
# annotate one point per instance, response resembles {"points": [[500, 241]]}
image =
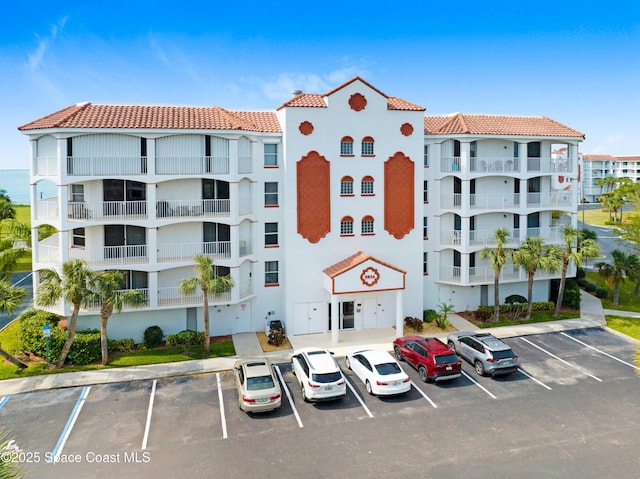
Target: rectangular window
{"points": [[425, 228], [271, 194], [77, 193], [271, 234], [425, 263], [346, 187], [346, 147], [346, 227], [426, 155], [143, 147], [69, 146], [271, 154], [79, 237], [367, 188], [426, 191], [367, 227], [270, 272], [367, 147]]}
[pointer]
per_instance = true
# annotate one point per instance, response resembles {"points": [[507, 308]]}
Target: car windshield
{"points": [[447, 358], [388, 368], [503, 354], [326, 377], [260, 382]]}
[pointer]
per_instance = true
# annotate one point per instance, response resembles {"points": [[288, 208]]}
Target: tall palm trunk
{"points": [[105, 314], [71, 329], [207, 337], [496, 297], [530, 294], [563, 279], [616, 293]]}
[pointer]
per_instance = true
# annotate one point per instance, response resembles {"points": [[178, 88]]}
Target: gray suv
{"points": [[487, 353]]}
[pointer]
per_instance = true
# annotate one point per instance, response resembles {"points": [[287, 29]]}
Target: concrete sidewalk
{"points": [[247, 346]]}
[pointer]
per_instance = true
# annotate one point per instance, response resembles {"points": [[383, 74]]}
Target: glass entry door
{"points": [[346, 315]]}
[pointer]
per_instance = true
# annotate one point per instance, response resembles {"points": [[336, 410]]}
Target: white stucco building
{"points": [[348, 209], [596, 167]]}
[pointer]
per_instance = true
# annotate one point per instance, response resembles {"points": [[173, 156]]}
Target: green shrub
{"points": [[121, 345], [428, 315], [590, 287], [580, 273], [602, 293], [85, 348], [571, 298], [153, 336], [543, 306], [582, 282], [483, 314], [185, 338], [32, 337]]}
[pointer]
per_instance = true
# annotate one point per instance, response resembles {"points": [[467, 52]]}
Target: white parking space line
{"points": [[4, 401], [222, 416], [562, 360], [534, 379], [423, 394], [149, 412], [478, 384], [599, 351], [75, 412], [357, 397], [288, 393]]}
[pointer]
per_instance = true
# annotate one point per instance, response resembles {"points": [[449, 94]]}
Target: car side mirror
{"points": [[332, 353]]}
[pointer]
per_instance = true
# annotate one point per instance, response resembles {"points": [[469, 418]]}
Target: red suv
{"points": [[434, 360]]}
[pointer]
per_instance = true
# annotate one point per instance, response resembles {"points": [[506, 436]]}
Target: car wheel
{"points": [[479, 368], [347, 362], [452, 345], [397, 353], [422, 371], [304, 394], [367, 385]]}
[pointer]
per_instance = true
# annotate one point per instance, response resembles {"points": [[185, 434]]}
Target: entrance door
{"points": [[370, 312], [347, 315]]}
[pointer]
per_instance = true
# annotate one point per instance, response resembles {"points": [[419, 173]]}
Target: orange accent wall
{"points": [[398, 195], [313, 185]]}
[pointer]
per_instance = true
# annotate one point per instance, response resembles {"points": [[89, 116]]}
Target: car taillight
{"points": [[406, 380], [340, 383], [489, 360], [515, 357], [380, 383], [313, 385], [246, 399], [273, 398]]}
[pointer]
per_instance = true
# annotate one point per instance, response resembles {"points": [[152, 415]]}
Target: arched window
{"points": [[366, 186], [367, 225], [346, 146], [346, 186], [346, 226], [367, 146]]}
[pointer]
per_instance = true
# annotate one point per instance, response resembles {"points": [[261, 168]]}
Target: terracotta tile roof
{"points": [[314, 100], [598, 157], [353, 261], [466, 124], [88, 115]]}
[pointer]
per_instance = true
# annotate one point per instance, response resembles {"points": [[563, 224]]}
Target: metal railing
{"points": [[192, 165], [110, 255], [169, 296], [193, 208], [47, 209], [107, 210], [106, 165], [187, 251]]}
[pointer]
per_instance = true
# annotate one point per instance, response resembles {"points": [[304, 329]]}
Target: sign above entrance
{"points": [[362, 273]]}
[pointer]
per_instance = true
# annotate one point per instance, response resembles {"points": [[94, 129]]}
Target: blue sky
{"points": [[577, 62]]}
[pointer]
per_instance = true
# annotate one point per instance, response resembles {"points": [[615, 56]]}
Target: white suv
{"points": [[318, 374]]}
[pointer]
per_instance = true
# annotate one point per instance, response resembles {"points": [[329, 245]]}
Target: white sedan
{"points": [[379, 371]]}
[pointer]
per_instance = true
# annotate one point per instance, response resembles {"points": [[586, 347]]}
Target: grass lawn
{"points": [[628, 326], [23, 214], [628, 301], [595, 217], [536, 317]]}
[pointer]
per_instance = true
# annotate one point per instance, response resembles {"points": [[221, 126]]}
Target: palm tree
{"points": [[498, 257], [572, 254], [11, 297], [624, 266], [106, 289], [533, 255], [74, 286], [208, 281], [14, 238]]}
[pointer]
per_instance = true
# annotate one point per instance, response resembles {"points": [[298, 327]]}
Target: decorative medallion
{"points": [[357, 102], [369, 276], [306, 128], [406, 129]]}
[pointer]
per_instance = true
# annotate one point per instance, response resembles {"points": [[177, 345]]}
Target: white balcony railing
{"points": [[494, 201], [107, 210], [194, 165], [558, 199], [549, 165], [46, 166], [95, 304], [111, 255], [483, 164], [488, 237], [106, 165], [193, 208], [47, 209], [169, 296], [187, 251], [551, 234]]}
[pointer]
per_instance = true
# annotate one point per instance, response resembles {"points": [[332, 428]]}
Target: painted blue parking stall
{"points": [[57, 450]]}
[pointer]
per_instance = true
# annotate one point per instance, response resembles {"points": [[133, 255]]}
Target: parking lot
{"points": [[138, 426]]}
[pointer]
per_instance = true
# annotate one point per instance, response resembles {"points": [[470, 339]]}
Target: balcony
{"points": [[94, 305], [484, 238], [47, 209], [107, 210], [170, 296], [111, 255], [549, 165], [559, 199], [194, 165], [46, 166], [504, 165], [479, 275], [193, 208], [178, 252], [106, 166]]}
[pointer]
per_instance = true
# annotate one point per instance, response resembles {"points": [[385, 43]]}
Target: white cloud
{"points": [[36, 58]]}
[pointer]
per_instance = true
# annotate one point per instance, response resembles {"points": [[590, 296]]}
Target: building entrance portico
{"points": [[360, 287]]}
